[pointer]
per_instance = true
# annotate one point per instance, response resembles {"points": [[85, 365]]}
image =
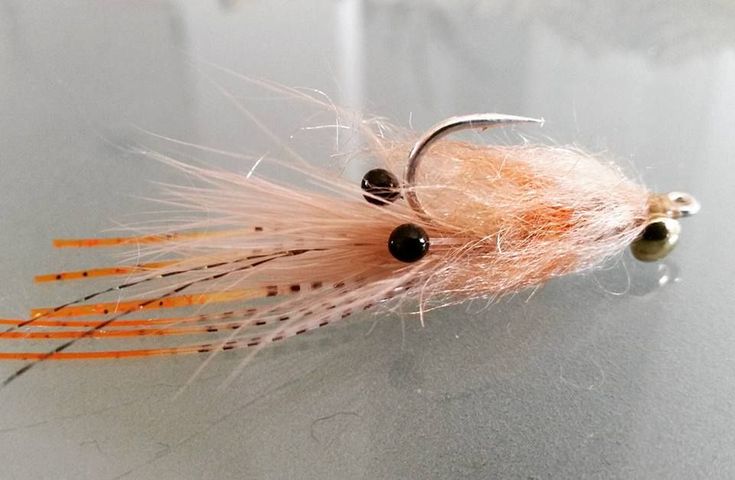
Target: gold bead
{"points": [[657, 239]]}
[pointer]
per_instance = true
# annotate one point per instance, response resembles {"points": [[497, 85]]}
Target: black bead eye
{"points": [[408, 243], [382, 184]]}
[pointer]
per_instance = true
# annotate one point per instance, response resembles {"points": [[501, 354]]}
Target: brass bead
{"points": [[657, 239]]}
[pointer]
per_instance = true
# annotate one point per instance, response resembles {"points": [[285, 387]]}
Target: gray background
{"points": [[623, 373]]}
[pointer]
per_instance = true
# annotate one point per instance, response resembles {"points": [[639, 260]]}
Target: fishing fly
{"points": [[441, 221]]}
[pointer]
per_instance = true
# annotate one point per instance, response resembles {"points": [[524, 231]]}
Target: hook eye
{"points": [[674, 205]]}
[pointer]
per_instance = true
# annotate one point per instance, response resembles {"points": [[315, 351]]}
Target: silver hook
{"points": [[480, 121]]}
